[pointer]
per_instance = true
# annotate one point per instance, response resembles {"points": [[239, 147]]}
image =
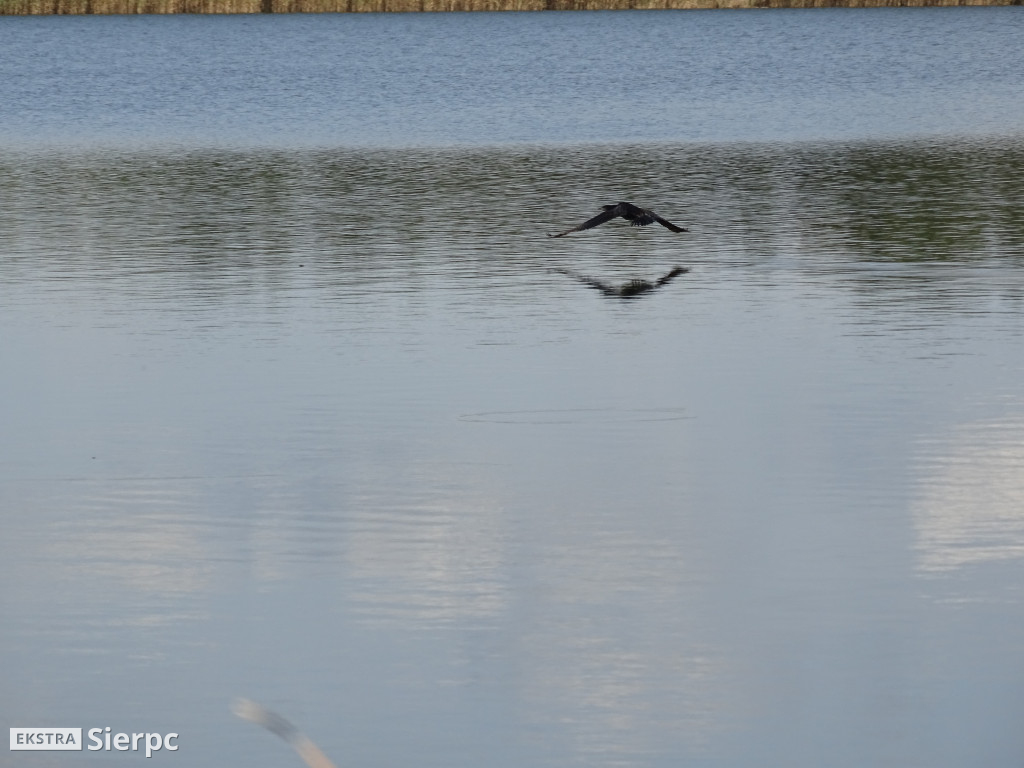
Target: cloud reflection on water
{"points": [[970, 506], [435, 555]]}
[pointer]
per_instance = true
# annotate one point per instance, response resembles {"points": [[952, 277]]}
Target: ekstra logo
{"points": [[50, 739]]}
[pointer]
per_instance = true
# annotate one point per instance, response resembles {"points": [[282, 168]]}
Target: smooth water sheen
{"points": [[295, 403]]}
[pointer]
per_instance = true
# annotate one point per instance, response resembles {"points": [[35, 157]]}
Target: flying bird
{"points": [[629, 288], [273, 722], [634, 214]]}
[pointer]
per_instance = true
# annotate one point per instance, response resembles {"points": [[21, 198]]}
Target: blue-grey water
{"points": [[299, 403]]}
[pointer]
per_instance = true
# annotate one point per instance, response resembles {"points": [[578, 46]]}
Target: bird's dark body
{"points": [[634, 214]]}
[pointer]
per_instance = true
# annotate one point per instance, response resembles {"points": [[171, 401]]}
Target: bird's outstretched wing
{"points": [[665, 223], [603, 287], [672, 274], [273, 722], [601, 218]]}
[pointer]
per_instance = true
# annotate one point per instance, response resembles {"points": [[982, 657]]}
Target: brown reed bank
{"points": [[48, 7]]}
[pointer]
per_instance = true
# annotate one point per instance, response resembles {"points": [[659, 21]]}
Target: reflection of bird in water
{"points": [[629, 288], [634, 214], [273, 722]]}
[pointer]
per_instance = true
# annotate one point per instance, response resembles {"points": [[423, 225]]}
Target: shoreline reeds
{"points": [[108, 7]]}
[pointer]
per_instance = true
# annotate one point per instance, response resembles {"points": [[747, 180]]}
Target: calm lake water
{"points": [[298, 402]]}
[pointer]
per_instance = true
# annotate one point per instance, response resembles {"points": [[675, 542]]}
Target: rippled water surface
{"points": [[298, 401], [482, 78]]}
